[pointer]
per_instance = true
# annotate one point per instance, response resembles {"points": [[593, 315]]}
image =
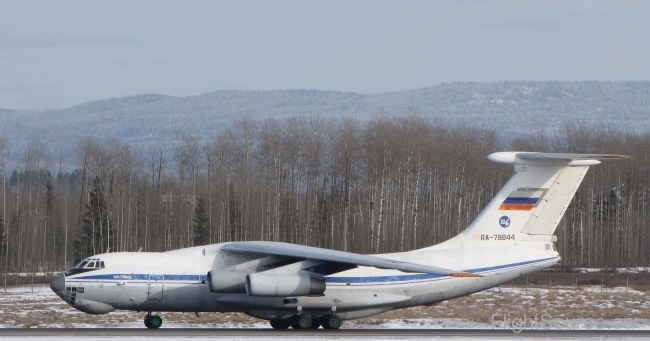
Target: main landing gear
{"points": [[152, 321], [329, 321]]}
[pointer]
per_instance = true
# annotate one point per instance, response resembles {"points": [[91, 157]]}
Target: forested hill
{"points": [[509, 107]]}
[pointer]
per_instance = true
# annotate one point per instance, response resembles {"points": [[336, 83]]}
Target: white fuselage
{"points": [[176, 281]]}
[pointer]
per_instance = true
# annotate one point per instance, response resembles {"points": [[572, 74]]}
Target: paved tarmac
{"points": [[329, 334]]}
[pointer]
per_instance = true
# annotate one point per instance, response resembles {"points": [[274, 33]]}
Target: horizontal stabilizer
{"points": [[565, 159]]}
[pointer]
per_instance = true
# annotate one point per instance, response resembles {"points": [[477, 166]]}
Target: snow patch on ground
{"points": [[618, 270], [422, 323]]}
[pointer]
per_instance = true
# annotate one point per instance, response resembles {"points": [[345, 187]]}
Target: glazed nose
{"points": [[58, 284]]}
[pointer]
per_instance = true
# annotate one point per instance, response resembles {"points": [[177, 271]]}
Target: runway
{"points": [[370, 334]]}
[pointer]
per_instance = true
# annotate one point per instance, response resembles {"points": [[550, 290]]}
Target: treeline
{"points": [[385, 185]]}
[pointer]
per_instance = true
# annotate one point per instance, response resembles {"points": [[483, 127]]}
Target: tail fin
{"points": [[531, 204]]}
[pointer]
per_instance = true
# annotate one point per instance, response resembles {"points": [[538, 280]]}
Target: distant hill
{"points": [[509, 107]]}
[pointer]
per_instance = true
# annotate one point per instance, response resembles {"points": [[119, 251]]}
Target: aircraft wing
{"points": [[263, 249]]}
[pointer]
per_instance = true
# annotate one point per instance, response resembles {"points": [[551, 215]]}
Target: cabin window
{"points": [[91, 265], [102, 265]]}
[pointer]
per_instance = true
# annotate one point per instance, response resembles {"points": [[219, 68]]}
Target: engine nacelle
{"points": [[227, 282], [283, 285]]}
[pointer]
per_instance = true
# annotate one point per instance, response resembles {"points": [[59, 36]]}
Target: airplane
{"points": [[307, 287]]}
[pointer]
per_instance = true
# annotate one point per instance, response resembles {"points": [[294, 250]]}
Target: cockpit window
{"points": [[82, 264], [88, 264]]}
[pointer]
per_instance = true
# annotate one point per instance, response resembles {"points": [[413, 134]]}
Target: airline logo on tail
{"points": [[523, 199]]}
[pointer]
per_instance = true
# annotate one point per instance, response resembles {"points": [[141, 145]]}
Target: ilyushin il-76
{"points": [[306, 287]]}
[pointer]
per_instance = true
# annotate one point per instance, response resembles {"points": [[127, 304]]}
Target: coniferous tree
{"points": [[94, 235], [50, 199], [2, 241], [55, 234], [201, 219]]}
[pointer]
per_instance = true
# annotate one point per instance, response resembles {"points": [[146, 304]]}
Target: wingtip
{"points": [[618, 156], [462, 274]]}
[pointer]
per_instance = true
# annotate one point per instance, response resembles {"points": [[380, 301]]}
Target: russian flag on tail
{"points": [[523, 199]]}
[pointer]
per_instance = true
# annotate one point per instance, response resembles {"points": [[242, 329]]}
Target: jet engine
{"points": [[258, 284], [227, 282]]}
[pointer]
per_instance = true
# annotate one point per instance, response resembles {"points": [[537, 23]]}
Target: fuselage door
{"points": [[156, 283]]}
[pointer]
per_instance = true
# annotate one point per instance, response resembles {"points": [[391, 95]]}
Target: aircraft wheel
{"points": [[155, 322], [147, 321], [280, 324], [331, 321], [301, 322]]}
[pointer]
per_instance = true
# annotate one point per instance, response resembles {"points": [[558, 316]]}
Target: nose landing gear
{"points": [[152, 321]]}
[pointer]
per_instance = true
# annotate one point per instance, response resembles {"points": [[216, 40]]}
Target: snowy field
{"points": [[514, 308]]}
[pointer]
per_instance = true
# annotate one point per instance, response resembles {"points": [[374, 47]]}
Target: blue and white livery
{"points": [[306, 287]]}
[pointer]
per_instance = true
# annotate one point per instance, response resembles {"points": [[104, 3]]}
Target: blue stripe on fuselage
{"points": [[143, 277], [513, 265], [373, 279]]}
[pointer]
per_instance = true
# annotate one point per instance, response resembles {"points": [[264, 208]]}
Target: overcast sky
{"points": [[61, 53]]}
